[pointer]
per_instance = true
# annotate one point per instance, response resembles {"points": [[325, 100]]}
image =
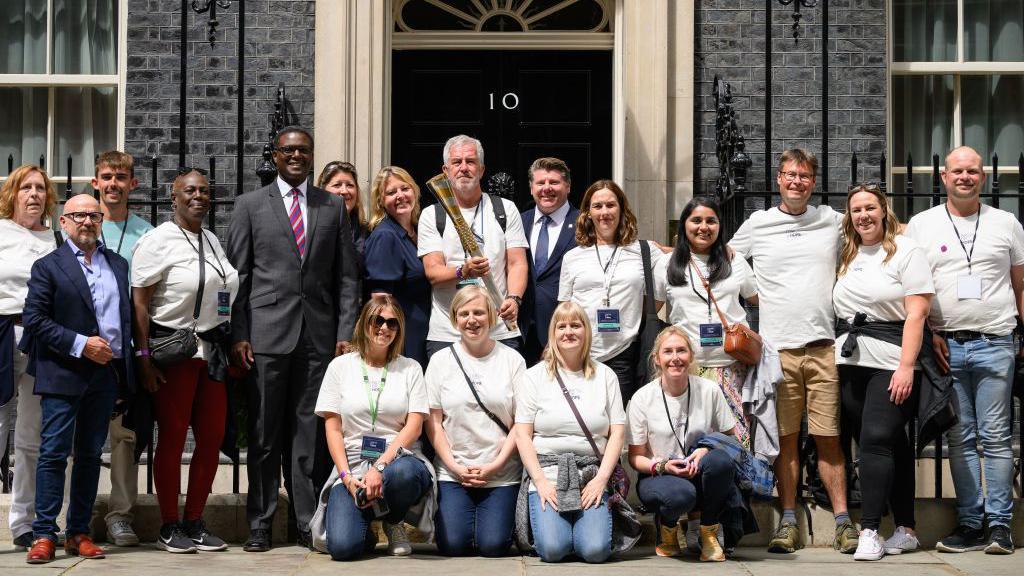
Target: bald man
{"points": [[77, 321], [977, 258]]}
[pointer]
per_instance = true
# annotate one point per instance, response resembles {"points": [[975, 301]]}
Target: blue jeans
{"points": [[406, 482], [672, 496], [76, 424], [587, 533], [484, 516], [982, 382]]}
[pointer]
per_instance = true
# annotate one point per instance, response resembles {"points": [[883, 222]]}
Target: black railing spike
{"points": [[853, 170], [1020, 175], [995, 180], [936, 180], [10, 163], [882, 176], [69, 189], [212, 214], [153, 162], [42, 161]]}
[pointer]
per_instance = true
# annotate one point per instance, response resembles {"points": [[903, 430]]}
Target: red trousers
{"points": [[188, 397]]}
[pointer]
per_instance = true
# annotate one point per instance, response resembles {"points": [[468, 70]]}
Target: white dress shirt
{"points": [[286, 195], [554, 228]]}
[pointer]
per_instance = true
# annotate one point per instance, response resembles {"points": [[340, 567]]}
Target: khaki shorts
{"points": [[809, 382]]}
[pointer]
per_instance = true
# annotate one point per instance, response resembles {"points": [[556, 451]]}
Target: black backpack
{"points": [[441, 217]]}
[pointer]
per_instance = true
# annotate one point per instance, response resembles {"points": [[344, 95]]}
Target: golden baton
{"points": [[442, 189]]}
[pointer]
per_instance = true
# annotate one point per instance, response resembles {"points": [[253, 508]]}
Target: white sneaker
{"points": [[901, 541], [870, 545], [120, 533], [398, 540]]}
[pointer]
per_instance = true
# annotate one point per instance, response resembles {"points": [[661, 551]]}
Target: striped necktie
{"points": [[295, 217]]}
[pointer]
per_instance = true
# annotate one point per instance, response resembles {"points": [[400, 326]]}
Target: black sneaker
{"points": [[23, 542], [259, 540], [173, 539], [1000, 541], [963, 539], [201, 537]]}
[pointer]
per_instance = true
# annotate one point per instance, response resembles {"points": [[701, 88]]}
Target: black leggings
{"points": [[624, 364], [886, 458]]}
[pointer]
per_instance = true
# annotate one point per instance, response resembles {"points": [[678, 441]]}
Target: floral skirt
{"points": [[730, 379]]}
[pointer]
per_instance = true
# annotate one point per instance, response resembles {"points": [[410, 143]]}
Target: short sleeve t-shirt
{"points": [[19, 250], [168, 256], [495, 242], [794, 261], [701, 409], [592, 274], [475, 438], [122, 236], [689, 305], [998, 246], [540, 402], [344, 392], [878, 289]]}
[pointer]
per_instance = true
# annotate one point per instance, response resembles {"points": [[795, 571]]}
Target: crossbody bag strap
{"points": [[202, 281], [472, 389], [711, 295], [645, 257], [576, 413]]}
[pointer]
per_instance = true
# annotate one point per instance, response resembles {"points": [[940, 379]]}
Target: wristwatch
{"points": [[518, 300], [380, 466]]}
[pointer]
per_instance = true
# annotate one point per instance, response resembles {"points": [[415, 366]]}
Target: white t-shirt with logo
{"points": [[475, 438], [794, 261], [701, 409], [998, 246], [583, 280], [879, 290], [168, 257], [19, 250], [344, 392], [539, 401], [481, 219], [689, 305]]}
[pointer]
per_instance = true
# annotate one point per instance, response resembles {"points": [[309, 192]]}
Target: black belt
{"points": [[16, 318], [962, 336]]}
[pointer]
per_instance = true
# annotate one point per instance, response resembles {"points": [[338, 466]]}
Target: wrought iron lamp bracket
{"points": [[797, 4], [202, 6]]}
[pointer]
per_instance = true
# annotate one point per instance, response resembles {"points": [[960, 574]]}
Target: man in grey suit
{"points": [[297, 303]]}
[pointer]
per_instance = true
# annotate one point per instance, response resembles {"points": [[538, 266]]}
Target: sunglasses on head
{"points": [[377, 320], [182, 170], [866, 186]]}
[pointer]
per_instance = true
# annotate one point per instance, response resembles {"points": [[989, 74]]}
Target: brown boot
{"points": [[710, 550], [669, 541], [41, 552]]}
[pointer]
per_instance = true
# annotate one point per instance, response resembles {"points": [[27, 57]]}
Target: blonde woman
{"points": [[666, 418], [574, 518], [472, 409], [392, 266], [341, 179]]}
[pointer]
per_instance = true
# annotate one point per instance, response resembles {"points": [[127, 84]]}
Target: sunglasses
{"points": [[377, 321], [866, 186]]}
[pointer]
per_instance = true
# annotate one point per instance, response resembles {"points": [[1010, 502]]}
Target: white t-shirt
{"points": [[689, 306], [343, 392], [168, 257], [481, 220], [878, 289], [475, 438], [584, 280], [999, 245], [701, 409], [794, 261], [19, 250], [539, 401]]}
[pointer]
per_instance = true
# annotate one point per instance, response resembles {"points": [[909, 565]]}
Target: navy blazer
{"points": [[542, 292], [59, 306]]}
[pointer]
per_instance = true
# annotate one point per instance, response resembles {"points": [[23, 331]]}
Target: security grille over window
{"points": [[503, 15]]}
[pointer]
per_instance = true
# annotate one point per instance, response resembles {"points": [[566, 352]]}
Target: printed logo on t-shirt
{"points": [[794, 233], [968, 240]]}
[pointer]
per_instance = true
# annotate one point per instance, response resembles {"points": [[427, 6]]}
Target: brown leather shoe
{"points": [[81, 545], [41, 552]]}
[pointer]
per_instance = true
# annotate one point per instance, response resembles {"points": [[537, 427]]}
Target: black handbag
{"points": [[651, 325], [168, 346]]}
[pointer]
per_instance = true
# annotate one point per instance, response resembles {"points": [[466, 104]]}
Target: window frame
{"points": [[958, 69], [50, 81]]}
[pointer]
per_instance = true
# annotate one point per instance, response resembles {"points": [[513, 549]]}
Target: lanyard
{"points": [[607, 282], [693, 286], [957, 232], [219, 266], [374, 403], [121, 240], [671, 423]]}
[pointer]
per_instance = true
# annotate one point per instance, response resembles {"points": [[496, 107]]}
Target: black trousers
{"points": [[624, 364], [886, 457], [282, 395]]}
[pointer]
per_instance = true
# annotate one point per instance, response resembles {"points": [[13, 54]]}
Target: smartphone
{"points": [[379, 505]]}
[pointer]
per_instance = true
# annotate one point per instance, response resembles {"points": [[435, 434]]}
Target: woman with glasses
{"points": [[604, 274], [666, 419], [564, 496], [169, 264], [471, 388], [373, 402], [27, 201], [884, 282], [340, 178], [391, 263]]}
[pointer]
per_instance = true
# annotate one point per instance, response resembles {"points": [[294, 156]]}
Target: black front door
{"points": [[521, 105]]}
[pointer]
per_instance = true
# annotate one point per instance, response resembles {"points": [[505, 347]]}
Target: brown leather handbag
{"points": [[741, 342]]}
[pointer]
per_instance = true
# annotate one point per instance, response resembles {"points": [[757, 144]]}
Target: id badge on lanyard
{"points": [[223, 302], [968, 286], [711, 335], [373, 446], [608, 320]]}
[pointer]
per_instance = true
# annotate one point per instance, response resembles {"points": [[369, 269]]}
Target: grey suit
{"points": [[292, 311]]}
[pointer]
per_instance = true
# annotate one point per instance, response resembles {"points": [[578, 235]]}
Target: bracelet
{"points": [[142, 353], [654, 465], [458, 273], [661, 467], [344, 474]]}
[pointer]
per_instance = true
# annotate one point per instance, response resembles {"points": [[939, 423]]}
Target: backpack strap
{"points": [[440, 216], [499, 211]]}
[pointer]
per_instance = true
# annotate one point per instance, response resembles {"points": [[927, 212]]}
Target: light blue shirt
{"points": [[106, 299], [122, 236]]}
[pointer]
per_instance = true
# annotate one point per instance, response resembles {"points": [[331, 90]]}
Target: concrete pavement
{"points": [[288, 560]]}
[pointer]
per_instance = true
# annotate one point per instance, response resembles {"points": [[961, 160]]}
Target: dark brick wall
{"points": [[730, 40], [279, 38]]}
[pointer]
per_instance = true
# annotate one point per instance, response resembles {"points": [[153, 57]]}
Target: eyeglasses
{"points": [[289, 150], [182, 170], [377, 320], [81, 217], [792, 176]]}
